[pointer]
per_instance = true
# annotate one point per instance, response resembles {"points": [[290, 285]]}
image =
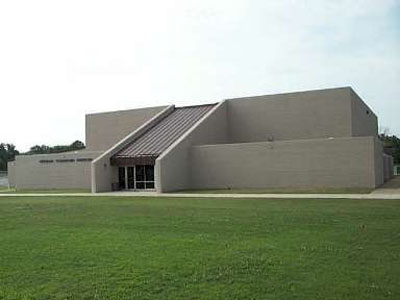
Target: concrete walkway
{"points": [[390, 190], [373, 195], [391, 187]]}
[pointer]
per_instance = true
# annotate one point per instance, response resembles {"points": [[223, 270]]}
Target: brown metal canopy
{"points": [[146, 148]]}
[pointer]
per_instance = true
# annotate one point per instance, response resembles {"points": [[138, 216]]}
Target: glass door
{"points": [[149, 174], [139, 177], [131, 177], [121, 178]]}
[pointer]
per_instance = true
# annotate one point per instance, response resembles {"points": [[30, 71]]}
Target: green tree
{"points": [[44, 149], [77, 145], [7, 153], [391, 146]]}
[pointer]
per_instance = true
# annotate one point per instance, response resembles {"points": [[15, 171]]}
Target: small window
{"points": [[367, 112], [84, 159], [64, 160], [46, 161]]}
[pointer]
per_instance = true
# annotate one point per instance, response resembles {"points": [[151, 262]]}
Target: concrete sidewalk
{"points": [[392, 187], [390, 190], [374, 195]]}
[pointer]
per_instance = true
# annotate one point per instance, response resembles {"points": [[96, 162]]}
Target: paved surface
{"points": [[265, 196], [391, 187]]}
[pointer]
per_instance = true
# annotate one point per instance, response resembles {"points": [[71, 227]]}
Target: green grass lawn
{"points": [[183, 248]]}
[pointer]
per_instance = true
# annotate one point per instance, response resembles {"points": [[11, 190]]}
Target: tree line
{"points": [[391, 146], [9, 151], [44, 149]]}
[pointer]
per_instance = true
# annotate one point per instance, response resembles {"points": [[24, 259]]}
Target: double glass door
{"points": [[139, 177]]}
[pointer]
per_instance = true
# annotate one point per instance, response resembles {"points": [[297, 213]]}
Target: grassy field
{"points": [[181, 248]]}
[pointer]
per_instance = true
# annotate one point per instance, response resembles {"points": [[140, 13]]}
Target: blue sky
{"points": [[62, 59]]}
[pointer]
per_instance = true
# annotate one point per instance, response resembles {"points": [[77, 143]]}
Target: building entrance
{"points": [[138, 177]]}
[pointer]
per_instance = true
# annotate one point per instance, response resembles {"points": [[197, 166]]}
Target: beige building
{"points": [[322, 138]]}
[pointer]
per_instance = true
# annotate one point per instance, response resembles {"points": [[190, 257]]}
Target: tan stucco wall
{"points": [[30, 173], [313, 116], [363, 120], [302, 115], [11, 173], [387, 167], [103, 130], [172, 168], [103, 173], [378, 163], [339, 162]]}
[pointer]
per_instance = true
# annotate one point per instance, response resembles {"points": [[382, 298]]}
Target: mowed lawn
{"points": [[181, 248]]}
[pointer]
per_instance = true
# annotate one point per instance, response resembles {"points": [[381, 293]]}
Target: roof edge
{"points": [[295, 92], [137, 131], [126, 110], [183, 137], [199, 105]]}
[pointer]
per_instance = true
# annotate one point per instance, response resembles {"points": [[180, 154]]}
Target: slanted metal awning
{"points": [[146, 148]]}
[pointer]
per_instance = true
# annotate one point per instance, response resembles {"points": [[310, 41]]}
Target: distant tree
{"points": [[39, 149], [77, 145], [44, 149], [391, 146], [7, 153]]}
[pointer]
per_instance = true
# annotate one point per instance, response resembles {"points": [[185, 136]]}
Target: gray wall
{"points": [[103, 173], [300, 124], [103, 130], [339, 162], [363, 120], [172, 169], [378, 163], [30, 173], [302, 115], [388, 170]]}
